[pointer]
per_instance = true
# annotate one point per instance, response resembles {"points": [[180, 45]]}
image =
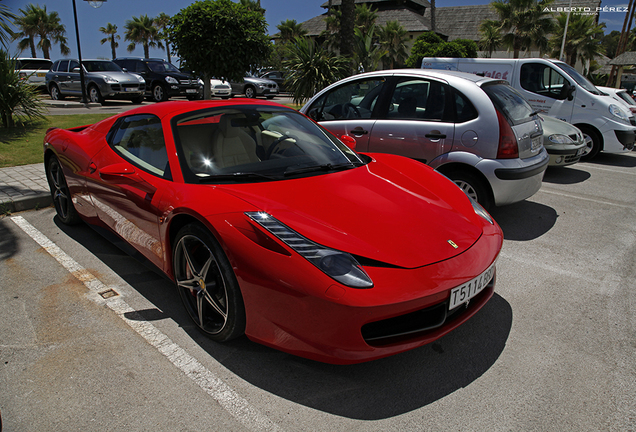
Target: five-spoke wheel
{"points": [[207, 284], [60, 193]]}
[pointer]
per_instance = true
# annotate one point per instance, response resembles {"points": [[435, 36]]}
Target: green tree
{"points": [[253, 5], [141, 30], [610, 43], [37, 22], [392, 38], [524, 24], [331, 34], [290, 29], [312, 68], [220, 38], [111, 37], [19, 100], [583, 40], [6, 33], [366, 54], [422, 48], [161, 21], [365, 17], [491, 39]]}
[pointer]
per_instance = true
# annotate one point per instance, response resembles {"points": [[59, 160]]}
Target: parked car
{"points": [[478, 131], [220, 88], [271, 227], [33, 70], [622, 96], [278, 77], [252, 87], [103, 80], [163, 79], [564, 142]]}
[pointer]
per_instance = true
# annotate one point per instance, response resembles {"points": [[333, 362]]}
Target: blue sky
{"points": [[118, 11]]}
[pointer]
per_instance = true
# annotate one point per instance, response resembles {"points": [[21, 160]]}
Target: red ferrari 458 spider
{"points": [[273, 228]]}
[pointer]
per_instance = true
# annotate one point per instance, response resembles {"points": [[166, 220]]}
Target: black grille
{"points": [[416, 323]]}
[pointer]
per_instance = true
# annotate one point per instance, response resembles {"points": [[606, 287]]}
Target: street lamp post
{"points": [[95, 4]]}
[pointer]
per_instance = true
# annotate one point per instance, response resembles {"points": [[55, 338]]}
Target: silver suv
{"points": [[478, 131], [103, 80]]}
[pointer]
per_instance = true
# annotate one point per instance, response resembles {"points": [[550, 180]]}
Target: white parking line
{"points": [[237, 406], [582, 198]]}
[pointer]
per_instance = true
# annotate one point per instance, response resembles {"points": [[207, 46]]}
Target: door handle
{"points": [[359, 131], [435, 134]]}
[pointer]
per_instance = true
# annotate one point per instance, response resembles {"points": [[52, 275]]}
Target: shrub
{"points": [[18, 99]]}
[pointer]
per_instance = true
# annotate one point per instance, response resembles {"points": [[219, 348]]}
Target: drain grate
{"points": [[108, 293]]}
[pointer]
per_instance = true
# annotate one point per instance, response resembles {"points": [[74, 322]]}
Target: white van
{"points": [[556, 89]]}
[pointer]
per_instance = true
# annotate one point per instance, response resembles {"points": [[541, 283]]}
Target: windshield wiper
{"points": [[323, 167], [237, 176]]}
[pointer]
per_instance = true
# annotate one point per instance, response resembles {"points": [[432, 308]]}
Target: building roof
{"points": [[462, 22], [424, 3], [628, 58], [409, 19]]}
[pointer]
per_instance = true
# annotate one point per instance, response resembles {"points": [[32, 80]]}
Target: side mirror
{"points": [[571, 92], [349, 141]]}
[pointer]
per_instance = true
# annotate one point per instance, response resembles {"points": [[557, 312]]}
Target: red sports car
{"points": [[273, 228]]}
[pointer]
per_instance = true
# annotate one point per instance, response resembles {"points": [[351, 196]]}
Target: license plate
{"points": [[463, 293], [536, 142], [41, 74], [129, 89], [191, 90]]}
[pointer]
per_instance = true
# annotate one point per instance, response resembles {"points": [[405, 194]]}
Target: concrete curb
{"points": [[37, 201]]}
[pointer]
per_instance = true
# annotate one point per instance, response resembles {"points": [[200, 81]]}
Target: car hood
{"points": [[553, 126], [375, 211], [255, 80], [119, 76]]}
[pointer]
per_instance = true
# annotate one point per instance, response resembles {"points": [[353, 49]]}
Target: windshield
{"points": [[161, 66], [255, 143], [100, 66], [580, 79], [510, 102]]}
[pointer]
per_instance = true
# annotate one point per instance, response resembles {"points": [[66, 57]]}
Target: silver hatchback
{"points": [[478, 131]]}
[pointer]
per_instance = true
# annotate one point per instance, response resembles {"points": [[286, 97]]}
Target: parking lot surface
{"points": [[91, 339]]}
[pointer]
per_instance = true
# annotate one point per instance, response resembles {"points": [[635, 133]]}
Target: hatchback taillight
{"points": [[508, 148]]}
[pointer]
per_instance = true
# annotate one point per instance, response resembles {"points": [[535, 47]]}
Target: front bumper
{"points": [[564, 154]]}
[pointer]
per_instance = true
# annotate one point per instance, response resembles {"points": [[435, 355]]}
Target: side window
{"points": [[464, 109], [542, 79], [419, 99], [139, 139], [62, 66], [349, 101], [72, 65]]}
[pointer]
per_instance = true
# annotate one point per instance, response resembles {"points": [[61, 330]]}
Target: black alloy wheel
{"points": [[60, 193]]}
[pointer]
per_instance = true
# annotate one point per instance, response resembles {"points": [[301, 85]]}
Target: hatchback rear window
{"points": [[34, 64], [509, 102]]}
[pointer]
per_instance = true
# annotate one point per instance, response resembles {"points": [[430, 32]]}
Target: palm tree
{"points": [[142, 30], [37, 22], [524, 24], [366, 53], [290, 29], [19, 101], [313, 68], [393, 38], [347, 20], [365, 17], [161, 22], [111, 37], [331, 34], [253, 5], [490, 36], [6, 34], [583, 40]]}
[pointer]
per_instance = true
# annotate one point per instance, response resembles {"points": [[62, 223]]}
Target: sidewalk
{"points": [[23, 188]]}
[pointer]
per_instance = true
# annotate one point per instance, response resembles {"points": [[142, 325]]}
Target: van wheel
{"points": [[592, 143], [55, 93], [472, 186]]}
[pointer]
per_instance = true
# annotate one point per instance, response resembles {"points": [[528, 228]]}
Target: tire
{"points": [[94, 95], [250, 92], [60, 193], [472, 186], [593, 143], [207, 284], [55, 93], [159, 93]]}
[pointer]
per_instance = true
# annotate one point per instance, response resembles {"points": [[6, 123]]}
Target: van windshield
{"points": [[580, 79], [509, 101]]}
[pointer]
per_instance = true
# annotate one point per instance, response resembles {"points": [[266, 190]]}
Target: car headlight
{"points": [[110, 80], [481, 211], [140, 78], [336, 264], [616, 111], [200, 81], [560, 139], [261, 86], [171, 80]]}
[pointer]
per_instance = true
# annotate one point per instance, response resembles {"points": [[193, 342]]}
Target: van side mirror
{"points": [[571, 92], [567, 91]]}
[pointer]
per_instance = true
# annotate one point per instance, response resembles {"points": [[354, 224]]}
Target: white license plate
{"points": [[191, 90], [129, 89], [536, 142], [463, 293]]}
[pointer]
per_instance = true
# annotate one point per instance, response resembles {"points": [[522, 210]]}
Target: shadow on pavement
{"points": [[8, 241], [565, 175], [525, 220], [626, 160], [375, 390]]}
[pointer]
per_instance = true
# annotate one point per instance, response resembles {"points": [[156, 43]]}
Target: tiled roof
{"points": [[424, 3], [625, 59]]}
